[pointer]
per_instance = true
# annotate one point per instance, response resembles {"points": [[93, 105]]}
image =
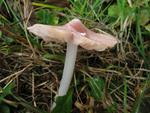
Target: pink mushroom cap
{"points": [[74, 32]]}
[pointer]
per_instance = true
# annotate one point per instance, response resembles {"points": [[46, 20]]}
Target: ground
{"points": [[113, 81]]}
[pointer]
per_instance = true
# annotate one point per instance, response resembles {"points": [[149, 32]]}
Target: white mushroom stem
{"points": [[69, 65]]}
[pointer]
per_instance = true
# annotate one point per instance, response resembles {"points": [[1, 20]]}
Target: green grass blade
{"points": [[47, 6], [138, 101], [125, 97]]}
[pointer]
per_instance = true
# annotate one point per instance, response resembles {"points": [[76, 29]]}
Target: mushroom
{"points": [[74, 33]]}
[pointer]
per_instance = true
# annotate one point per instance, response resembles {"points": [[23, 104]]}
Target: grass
{"points": [[112, 81]]}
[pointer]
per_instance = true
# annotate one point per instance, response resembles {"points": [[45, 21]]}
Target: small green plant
{"points": [[4, 92], [64, 103], [45, 16], [4, 108], [96, 87], [7, 90]]}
